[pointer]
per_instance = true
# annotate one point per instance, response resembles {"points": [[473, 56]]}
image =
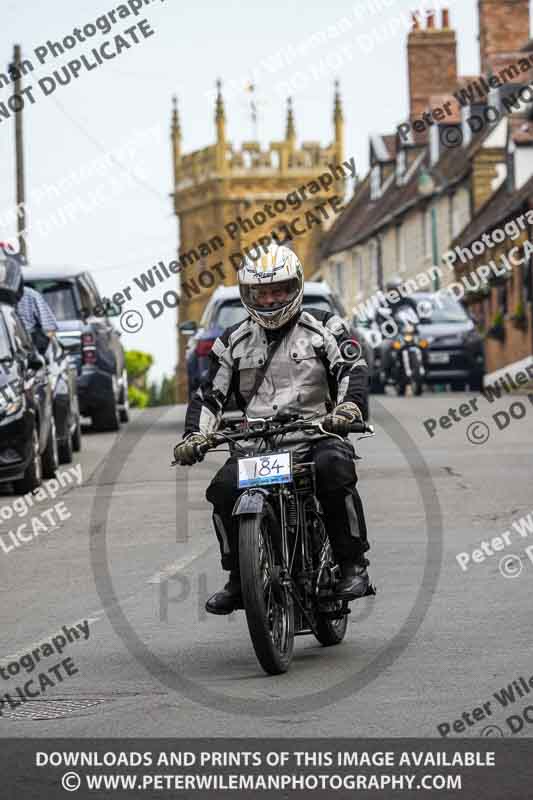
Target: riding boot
{"points": [[354, 582], [227, 599]]}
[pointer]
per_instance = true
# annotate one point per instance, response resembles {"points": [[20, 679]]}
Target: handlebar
{"points": [[249, 430]]}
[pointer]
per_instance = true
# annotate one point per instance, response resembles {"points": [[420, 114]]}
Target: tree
{"points": [[137, 366]]}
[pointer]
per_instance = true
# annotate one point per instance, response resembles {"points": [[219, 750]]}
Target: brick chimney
{"points": [[503, 28], [432, 61]]}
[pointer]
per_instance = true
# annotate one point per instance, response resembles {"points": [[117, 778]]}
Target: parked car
{"points": [[91, 340], [455, 352], [63, 377], [224, 309], [28, 443]]}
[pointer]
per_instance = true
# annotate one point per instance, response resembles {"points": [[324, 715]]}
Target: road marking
{"points": [[176, 566], [30, 647]]}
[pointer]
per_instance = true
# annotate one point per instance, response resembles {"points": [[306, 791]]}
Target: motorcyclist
{"points": [[391, 320], [279, 356]]}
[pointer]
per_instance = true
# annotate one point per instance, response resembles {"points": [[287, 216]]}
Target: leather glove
{"points": [[186, 453], [341, 418]]}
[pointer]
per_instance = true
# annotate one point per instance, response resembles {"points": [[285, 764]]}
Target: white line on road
{"points": [[176, 566]]}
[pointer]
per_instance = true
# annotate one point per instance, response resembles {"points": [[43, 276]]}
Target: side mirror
{"points": [[188, 328]]}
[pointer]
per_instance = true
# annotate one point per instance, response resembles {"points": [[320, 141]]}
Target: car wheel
{"points": [[76, 436], [33, 476], [124, 404], [458, 386], [51, 454], [107, 419]]}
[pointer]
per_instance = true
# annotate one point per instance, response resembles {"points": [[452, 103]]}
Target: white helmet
{"points": [[276, 265]]}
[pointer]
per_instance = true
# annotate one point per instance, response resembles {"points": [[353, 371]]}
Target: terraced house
{"points": [[460, 161]]}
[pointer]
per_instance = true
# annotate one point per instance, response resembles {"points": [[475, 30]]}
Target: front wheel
{"points": [[267, 602], [417, 386]]}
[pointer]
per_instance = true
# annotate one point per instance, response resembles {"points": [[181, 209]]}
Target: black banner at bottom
{"points": [[490, 768]]}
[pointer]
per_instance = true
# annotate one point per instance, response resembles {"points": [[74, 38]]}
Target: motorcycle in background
{"points": [[408, 355]]}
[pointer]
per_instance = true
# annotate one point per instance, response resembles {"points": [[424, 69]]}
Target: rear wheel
{"points": [[33, 476], [268, 604], [328, 629], [332, 631]]}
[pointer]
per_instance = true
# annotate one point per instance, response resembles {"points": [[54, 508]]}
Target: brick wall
{"points": [[503, 27], [432, 62]]}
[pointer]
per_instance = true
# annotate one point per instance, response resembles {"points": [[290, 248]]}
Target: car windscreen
{"points": [[322, 303], [5, 345], [443, 309], [59, 295], [229, 314]]}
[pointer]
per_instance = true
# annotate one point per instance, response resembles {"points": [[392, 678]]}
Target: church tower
{"points": [[220, 196]]}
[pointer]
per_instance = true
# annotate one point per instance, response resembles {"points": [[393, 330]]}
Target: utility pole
{"points": [[16, 71]]}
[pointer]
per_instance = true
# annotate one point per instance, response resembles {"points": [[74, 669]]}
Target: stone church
{"points": [[220, 197]]}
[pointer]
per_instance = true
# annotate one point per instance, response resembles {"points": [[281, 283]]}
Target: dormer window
{"points": [[375, 182]]}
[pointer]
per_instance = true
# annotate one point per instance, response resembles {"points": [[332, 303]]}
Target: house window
{"points": [[375, 182]]}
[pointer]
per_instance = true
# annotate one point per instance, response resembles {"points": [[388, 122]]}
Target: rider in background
{"points": [[282, 356]]}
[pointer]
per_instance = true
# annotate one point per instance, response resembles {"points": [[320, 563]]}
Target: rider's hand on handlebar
{"points": [[341, 418], [188, 452]]}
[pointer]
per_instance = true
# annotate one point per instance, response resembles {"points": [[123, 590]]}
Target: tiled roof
{"points": [[499, 207], [363, 217]]}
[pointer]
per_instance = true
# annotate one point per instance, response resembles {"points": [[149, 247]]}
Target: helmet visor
{"points": [[270, 296]]}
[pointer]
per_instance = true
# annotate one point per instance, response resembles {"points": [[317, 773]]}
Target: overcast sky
{"points": [[127, 101]]}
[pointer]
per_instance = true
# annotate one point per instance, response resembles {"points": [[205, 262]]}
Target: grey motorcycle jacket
{"points": [[316, 366]]}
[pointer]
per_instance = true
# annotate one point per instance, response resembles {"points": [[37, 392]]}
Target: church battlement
{"points": [[281, 158]]}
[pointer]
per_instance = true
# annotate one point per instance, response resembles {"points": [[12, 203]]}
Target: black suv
{"points": [[91, 340]]}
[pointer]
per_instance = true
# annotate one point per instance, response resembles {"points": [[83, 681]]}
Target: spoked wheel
{"points": [[332, 620], [268, 604]]}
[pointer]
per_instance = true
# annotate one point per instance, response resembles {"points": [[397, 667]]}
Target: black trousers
{"points": [[336, 480]]}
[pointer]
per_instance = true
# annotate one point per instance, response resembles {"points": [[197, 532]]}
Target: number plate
{"points": [[260, 470], [439, 358]]}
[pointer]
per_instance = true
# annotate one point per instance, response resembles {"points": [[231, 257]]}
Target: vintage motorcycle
{"points": [[408, 357], [288, 572]]}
